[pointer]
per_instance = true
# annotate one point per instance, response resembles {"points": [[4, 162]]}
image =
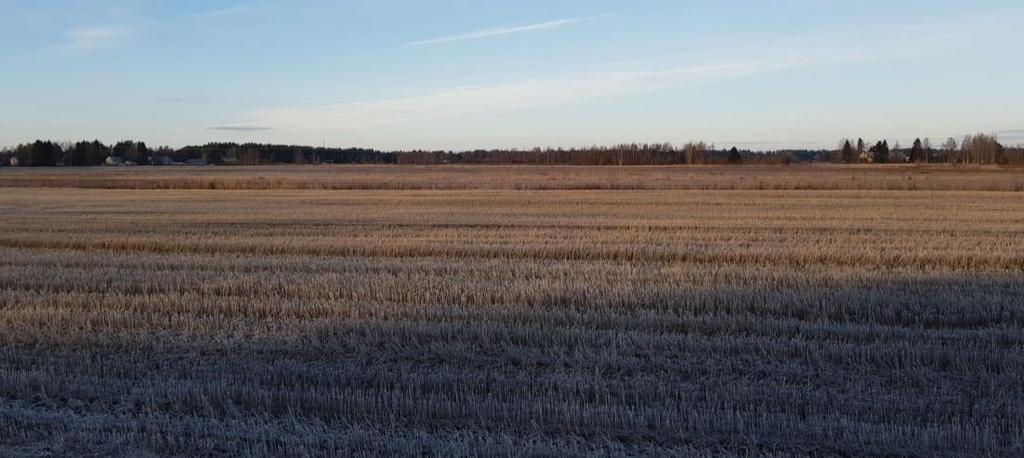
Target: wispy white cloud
{"points": [[240, 128], [1011, 137], [94, 37], [228, 11], [504, 31], [499, 98], [173, 99], [539, 93]]}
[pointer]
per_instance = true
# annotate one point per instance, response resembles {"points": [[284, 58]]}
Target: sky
{"points": [[465, 74]]}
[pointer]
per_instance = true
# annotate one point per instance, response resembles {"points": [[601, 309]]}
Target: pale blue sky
{"points": [[475, 73]]}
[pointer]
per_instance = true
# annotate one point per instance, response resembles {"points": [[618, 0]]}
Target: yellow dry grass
{"points": [[385, 177]]}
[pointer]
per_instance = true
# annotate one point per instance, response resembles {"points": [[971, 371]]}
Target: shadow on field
{"points": [[885, 365]]}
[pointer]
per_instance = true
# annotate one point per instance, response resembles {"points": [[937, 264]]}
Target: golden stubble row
{"points": [[892, 177]]}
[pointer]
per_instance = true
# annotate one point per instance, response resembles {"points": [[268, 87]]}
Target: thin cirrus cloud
{"points": [[1011, 136], [240, 128], [538, 93], [487, 33], [94, 37], [500, 98], [173, 99], [227, 12]]}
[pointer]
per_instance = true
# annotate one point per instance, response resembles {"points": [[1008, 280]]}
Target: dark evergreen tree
{"points": [[38, 154], [130, 150], [140, 154], [881, 152], [88, 153], [917, 152], [847, 153], [734, 156]]}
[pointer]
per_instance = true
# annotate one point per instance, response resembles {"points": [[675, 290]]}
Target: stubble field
{"points": [[820, 177], [512, 322]]}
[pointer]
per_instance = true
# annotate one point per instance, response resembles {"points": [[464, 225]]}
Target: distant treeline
{"points": [[622, 154], [85, 153], [975, 149]]}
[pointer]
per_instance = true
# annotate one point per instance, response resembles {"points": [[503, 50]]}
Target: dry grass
{"points": [[352, 177], [724, 323]]}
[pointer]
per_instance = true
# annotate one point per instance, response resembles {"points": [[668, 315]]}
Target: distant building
{"points": [[13, 162], [161, 160], [865, 158], [114, 161]]}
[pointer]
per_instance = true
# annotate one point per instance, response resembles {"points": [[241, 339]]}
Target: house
{"points": [[14, 162], [114, 161], [865, 158]]}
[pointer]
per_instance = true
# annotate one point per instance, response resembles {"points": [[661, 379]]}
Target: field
{"points": [[383, 177], [450, 311]]}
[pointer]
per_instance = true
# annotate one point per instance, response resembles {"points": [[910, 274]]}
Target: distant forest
{"points": [[973, 149]]}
